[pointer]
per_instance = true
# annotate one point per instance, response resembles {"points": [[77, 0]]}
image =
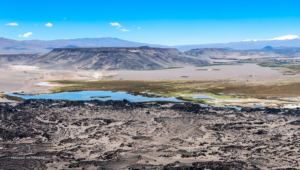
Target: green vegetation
{"points": [[173, 67], [161, 68], [293, 68], [247, 61], [272, 64], [215, 89], [14, 98], [235, 63], [100, 96], [288, 66]]}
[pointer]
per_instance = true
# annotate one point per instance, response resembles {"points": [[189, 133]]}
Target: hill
{"points": [[116, 58], [220, 53], [17, 57]]}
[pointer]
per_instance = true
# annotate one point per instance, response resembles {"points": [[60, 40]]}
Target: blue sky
{"points": [[161, 22]]}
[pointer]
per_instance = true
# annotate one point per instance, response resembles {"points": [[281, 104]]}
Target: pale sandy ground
{"points": [[26, 79], [250, 72], [30, 80]]}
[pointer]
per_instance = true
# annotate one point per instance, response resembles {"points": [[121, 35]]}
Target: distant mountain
{"points": [[8, 46], [71, 46], [244, 45], [115, 58], [268, 48]]}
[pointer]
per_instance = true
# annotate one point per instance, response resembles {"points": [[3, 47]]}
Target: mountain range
{"points": [[115, 58], [9, 46]]}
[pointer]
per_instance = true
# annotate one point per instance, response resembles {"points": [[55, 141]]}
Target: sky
{"points": [[162, 22]]}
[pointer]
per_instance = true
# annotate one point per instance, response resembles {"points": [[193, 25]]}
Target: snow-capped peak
{"points": [[286, 37]]}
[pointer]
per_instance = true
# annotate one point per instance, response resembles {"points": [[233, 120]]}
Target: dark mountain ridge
{"points": [[116, 58], [17, 57]]}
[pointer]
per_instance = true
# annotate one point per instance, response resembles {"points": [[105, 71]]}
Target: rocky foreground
{"points": [[48, 134]]}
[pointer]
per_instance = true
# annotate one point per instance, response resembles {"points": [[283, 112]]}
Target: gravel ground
{"points": [[48, 134]]}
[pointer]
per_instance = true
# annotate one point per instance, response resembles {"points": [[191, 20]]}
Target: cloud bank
{"points": [[12, 24]]}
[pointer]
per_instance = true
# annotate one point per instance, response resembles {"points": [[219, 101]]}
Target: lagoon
{"points": [[94, 95]]}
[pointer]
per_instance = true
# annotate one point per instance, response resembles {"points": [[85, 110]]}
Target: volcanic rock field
{"points": [[49, 134]]}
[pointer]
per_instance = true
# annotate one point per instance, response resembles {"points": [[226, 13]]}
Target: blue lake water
{"points": [[89, 95], [86, 95], [200, 97], [256, 106]]}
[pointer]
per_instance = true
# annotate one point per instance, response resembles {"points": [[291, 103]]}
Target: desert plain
{"points": [[51, 134]]}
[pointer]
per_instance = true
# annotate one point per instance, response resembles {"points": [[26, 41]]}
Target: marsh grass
{"points": [[215, 89], [14, 98], [288, 66], [293, 68]]}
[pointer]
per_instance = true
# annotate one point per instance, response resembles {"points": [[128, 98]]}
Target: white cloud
{"points": [[19, 35], [27, 34], [115, 24], [48, 25], [139, 28], [12, 24], [124, 30], [286, 37]]}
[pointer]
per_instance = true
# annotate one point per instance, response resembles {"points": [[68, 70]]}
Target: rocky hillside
{"points": [[211, 53], [268, 51], [116, 58], [17, 57]]}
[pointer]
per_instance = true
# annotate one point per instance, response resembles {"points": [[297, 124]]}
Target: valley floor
{"points": [[227, 81], [49, 134], [26, 79]]}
